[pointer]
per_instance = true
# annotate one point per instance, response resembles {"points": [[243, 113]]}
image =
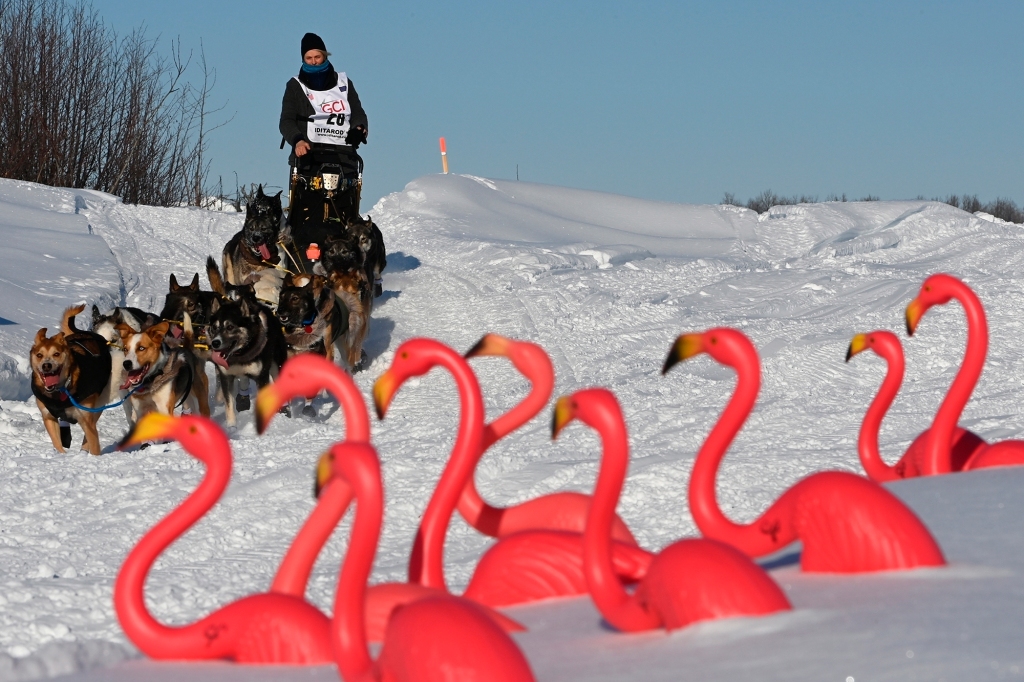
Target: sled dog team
{"points": [[266, 304]]}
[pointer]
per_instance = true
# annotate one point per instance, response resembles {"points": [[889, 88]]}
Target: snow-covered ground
{"points": [[604, 283]]}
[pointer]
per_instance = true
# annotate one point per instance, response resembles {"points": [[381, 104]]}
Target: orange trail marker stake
{"points": [[444, 157]]}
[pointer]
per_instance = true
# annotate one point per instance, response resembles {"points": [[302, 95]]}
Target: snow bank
{"points": [[604, 283]]}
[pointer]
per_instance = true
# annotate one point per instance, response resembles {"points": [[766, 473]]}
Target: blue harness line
{"points": [[98, 409]]}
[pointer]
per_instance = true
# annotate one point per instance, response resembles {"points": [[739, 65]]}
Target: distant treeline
{"points": [[1004, 209], [84, 107]]}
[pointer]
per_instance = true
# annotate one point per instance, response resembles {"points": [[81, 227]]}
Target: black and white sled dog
{"points": [[106, 325], [253, 255], [245, 339]]}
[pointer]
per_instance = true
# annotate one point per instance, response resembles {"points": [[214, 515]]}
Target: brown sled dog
{"points": [[344, 264], [70, 364], [162, 376], [312, 317]]}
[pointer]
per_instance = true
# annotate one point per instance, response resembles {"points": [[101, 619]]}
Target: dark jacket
{"points": [[296, 111]]}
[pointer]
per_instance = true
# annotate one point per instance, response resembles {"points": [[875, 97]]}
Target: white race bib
{"points": [[330, 121]]}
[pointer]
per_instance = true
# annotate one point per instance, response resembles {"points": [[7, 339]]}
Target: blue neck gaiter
{"points": [[321, 77]]}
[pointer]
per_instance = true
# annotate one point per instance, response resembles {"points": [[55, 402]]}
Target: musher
{"points": [[323, 120]]}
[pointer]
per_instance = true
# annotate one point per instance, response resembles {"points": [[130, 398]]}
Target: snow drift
{"points": [[604, 283]]}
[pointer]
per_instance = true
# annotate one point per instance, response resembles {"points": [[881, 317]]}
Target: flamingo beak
{"points": [[384, 390], [685, 347], [857, 344], [490, 345], [564, 413], [914, 313], [152, 426], [269, 401], [324, 472]]}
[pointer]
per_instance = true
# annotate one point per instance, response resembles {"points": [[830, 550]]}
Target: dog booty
{"points": [[242, 402], [65, 434], [378, 287]]}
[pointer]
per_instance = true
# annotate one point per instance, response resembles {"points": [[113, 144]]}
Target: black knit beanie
{"points": [[312, 41]]}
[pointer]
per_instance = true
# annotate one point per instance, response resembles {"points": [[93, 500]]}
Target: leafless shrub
{"points": [[84, 107], [766, 199]]}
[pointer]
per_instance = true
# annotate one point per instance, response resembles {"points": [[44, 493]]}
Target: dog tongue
{"points": [[218, 358], [265, 252], [51, 380], [176, 331]]}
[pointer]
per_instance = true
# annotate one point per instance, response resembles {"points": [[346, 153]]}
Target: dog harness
{"points": [[92, 356], [330, 121]]}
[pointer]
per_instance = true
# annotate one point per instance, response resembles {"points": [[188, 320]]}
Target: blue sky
{"points": [[676, 101]]}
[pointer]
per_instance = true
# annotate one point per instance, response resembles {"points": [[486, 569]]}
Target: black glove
{"points": [[356, 136]]}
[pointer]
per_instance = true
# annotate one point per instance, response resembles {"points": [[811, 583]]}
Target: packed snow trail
{"points": [[605, 284]]}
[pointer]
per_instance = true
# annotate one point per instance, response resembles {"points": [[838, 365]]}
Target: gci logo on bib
{"points": [[330, 122]]}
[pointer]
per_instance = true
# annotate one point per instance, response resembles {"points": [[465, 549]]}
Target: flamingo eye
{"points": [[927, 288], [714, 340], [192, 430], [405, 356]]}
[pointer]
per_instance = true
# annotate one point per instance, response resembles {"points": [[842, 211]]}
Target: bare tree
{"points": [[111, 114]]}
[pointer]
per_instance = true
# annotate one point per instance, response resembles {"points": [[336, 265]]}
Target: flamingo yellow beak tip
{"points": [[685, 347], [152, 426], [857, 344], [489, 345], [914, 312], [383, 391], [562, 415], [324, 472], [268, 402]]}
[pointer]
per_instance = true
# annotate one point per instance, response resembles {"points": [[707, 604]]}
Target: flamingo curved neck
{"points": [[703, 502], [483, 516], [129, 598], [357, 417], [292, 575], [612, 600], [426, 565], [867, 441], [348, 631], [939, 456]]}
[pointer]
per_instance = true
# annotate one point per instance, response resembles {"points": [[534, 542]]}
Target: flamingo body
{"points": [[963, 446], [477, 652], [694, 580], [437, 639], [386, 599], [533, 565], [261, 628], [556, 511], [1005, 453], [688, 581], [847, 523]]}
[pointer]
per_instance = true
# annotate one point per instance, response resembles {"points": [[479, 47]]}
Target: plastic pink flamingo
{"points": [[688, 581], [847, 523], [938, 290], [525, 566], [887, 346], [305, 376], [439, 639], [556, 511], [259, 628]]}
